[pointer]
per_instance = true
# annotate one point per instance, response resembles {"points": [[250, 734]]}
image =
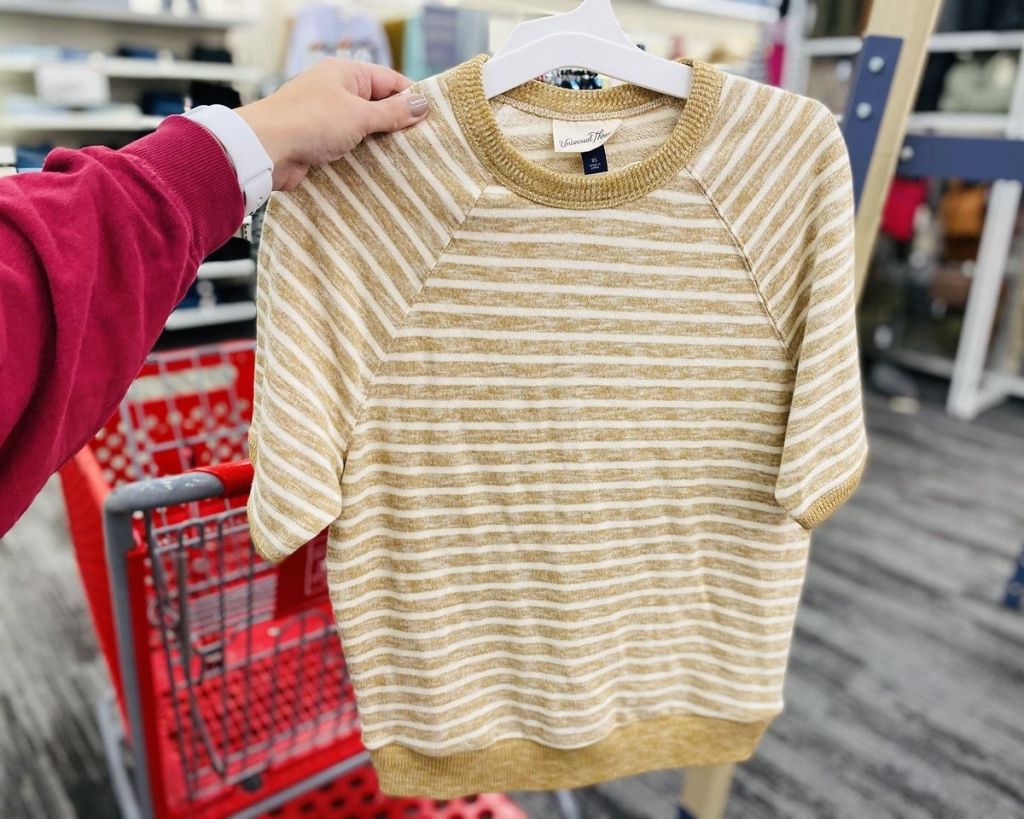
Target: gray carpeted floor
{"points": [[905, 696]]}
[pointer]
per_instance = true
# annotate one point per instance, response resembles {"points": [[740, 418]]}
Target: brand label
{"points": [[578, 137]]}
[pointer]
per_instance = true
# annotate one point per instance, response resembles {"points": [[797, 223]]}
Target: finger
{"points": [[395, 113], [384, 81]]}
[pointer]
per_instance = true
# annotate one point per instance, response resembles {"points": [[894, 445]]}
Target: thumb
{"points": [[394, 113]]}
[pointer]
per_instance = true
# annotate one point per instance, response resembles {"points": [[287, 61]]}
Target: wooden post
{"points": [[706, 791], [914, 21]]}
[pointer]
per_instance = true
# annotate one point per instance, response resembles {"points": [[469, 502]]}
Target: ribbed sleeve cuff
{"points": [[194, 166], [827, 504]]}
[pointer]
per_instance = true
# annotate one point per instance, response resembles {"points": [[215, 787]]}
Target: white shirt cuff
{"points": [[252, 163]]}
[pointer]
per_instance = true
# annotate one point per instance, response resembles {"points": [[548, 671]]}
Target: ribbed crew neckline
{"points": [[570, 190]]}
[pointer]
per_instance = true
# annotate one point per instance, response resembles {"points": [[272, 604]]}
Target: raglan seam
{"points": [[372, 380], [741, 248]]}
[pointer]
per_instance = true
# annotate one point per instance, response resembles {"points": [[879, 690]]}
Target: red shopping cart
{"points": [[230, 691]]}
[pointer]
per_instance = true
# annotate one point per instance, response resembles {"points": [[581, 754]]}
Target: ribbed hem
{"points": [[568, 190], [523, 765], [827, 504], [190, 161]]}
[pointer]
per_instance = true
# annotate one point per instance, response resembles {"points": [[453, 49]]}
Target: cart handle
{"points": [[235, 477]]}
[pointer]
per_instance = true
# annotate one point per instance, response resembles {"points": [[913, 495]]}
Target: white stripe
{"points": [[352, 500], [416, 161], [809, 218], [522, 215], [752, 526], [633, 339], [542, 128], [468, 184], [572, 569], [616, 638], [380, 235], [853, 426], [698, 361], [581, 404], [406, 225], [835, 483], [282, 337], [847, 344], [287, 522], [569, 264], [460, 611], [583, 380], [356, 283], [801, 410], [853, 405], [479, 589], [785, 170], [615, 542], [547, 659], [408, 190], [274, 302], [513, 550], [678, 197], [590, 290], [573, 313], [591, 424], [741, 151], [451, 513], [523, 688], [745, 92], [577, 240], [590, 445]]}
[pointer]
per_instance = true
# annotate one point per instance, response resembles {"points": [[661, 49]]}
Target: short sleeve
{"points": [[302, 406], [342, 259], [811, 293]]}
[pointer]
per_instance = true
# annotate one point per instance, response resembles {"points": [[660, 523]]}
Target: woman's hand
{"points": [[326, 111]]}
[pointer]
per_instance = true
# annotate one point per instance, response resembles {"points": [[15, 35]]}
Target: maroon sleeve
{"points": [[95, 252]]}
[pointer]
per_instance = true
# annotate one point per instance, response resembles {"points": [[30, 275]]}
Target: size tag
{"points": [[576, 137], [595, 161]]}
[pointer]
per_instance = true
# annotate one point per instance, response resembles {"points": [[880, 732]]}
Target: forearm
{"points": [[94, 254]]}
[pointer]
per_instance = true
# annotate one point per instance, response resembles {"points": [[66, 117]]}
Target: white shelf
{"points": [[832, 46], [147, 69], [976, 41], [232, 269], [944, 41], [110, 14], [78, 122], [185, 318], [955, 122], [731, 9]]}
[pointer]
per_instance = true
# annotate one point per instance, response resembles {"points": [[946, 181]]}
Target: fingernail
{"points": [[418, 105]]}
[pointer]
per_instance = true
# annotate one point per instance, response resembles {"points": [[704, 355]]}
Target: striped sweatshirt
{"points": [[569, 433]]}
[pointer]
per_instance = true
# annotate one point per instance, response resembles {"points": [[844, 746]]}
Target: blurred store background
{"points": [[906, 691]]}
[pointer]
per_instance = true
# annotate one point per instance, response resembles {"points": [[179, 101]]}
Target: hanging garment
{"points": [[569, 432], [440, 37], [324, 30]]}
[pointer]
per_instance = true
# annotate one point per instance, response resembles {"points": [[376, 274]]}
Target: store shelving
{"points": [[731, 9], [79, 122], [146, 69], [959, 122], [185, 318], [981, 373], [232, 269], [109, 14], [945, 41]]}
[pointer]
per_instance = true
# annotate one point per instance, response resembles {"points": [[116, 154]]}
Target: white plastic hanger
{"points": [[589, 37]]}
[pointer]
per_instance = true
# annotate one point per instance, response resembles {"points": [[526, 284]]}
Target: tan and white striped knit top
{"points": [[568, 432]]}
